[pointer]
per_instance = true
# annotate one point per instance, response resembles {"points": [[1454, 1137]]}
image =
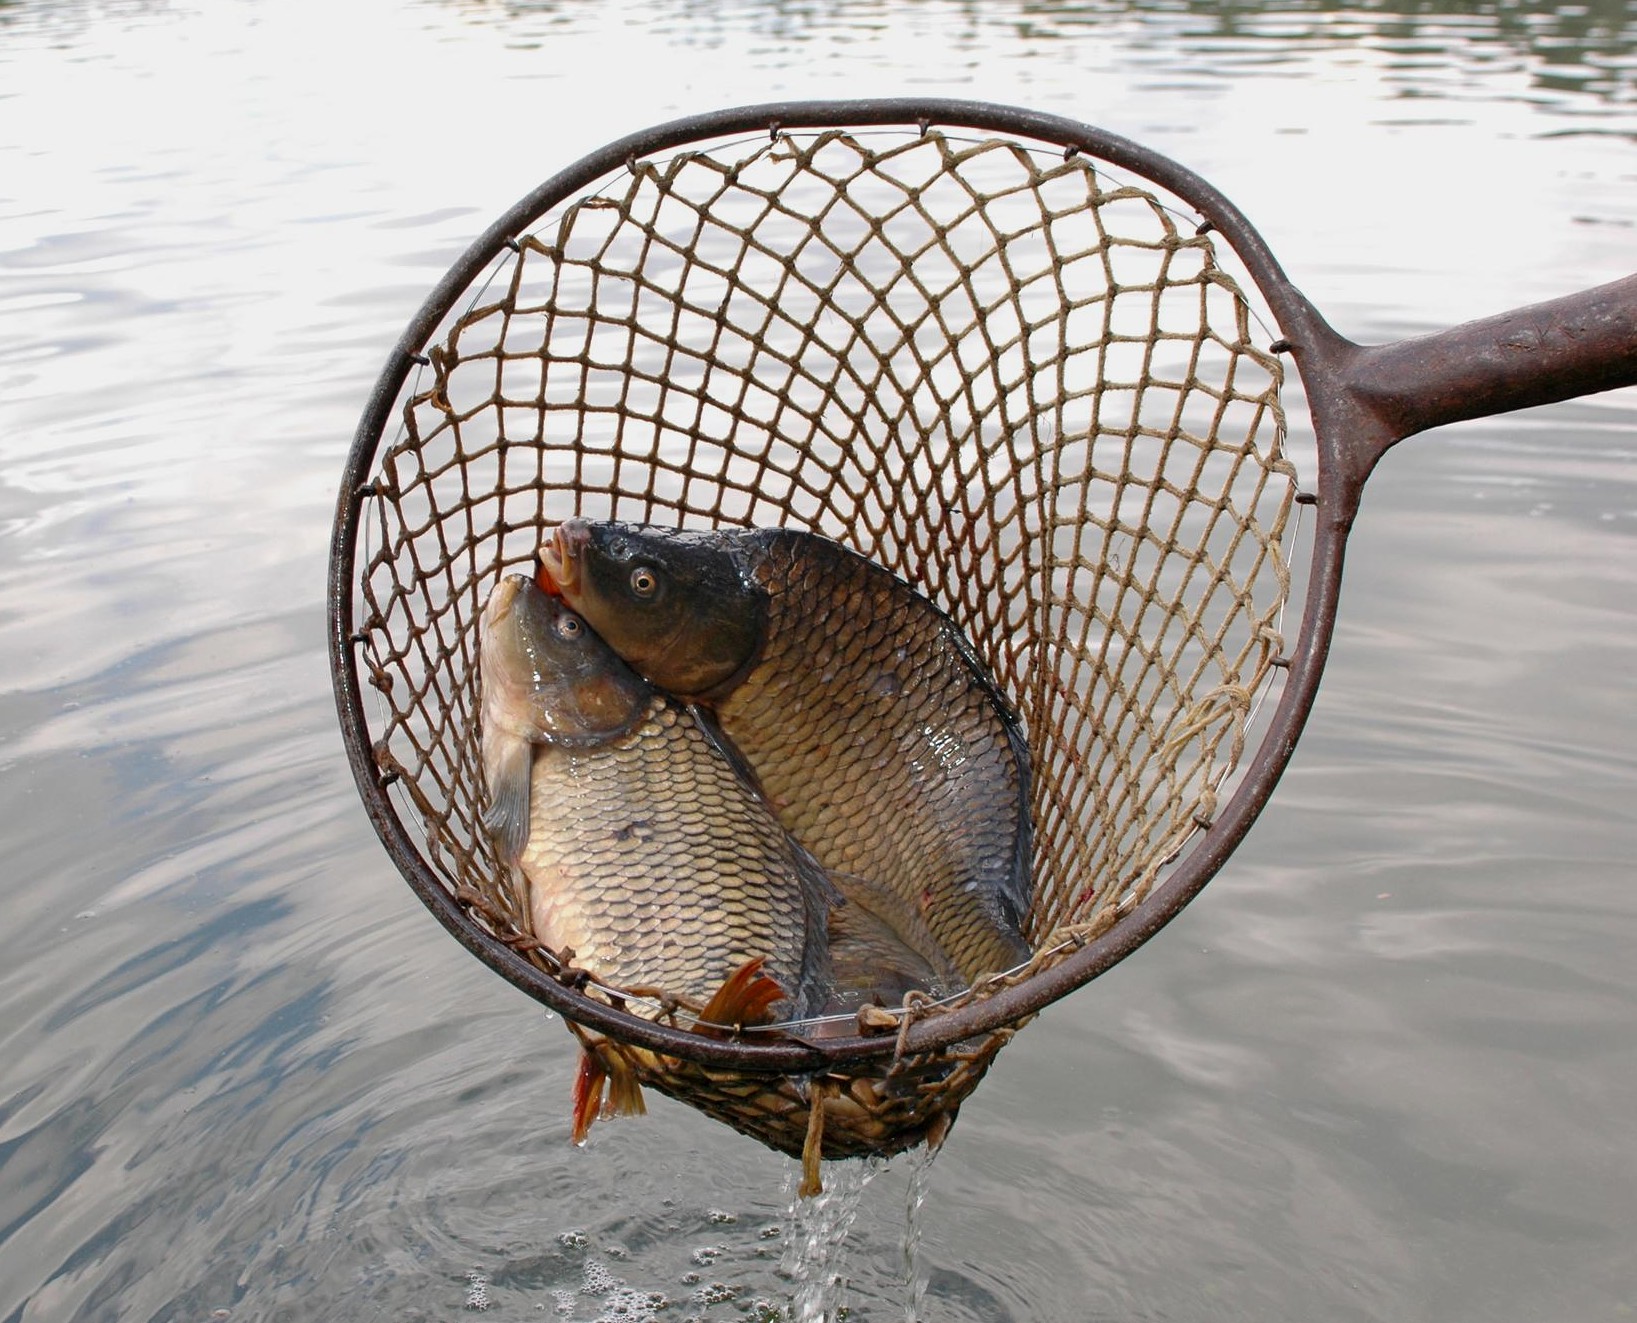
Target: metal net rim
{"points": [[1001, 1002]]}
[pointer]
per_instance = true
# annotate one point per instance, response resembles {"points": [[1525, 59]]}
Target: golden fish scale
{"points": [[858, 692], [657, 865]]}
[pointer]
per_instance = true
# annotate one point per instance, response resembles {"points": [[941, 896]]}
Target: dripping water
{"points": [[815, 1245], [815, 1253], [920, 1182]]}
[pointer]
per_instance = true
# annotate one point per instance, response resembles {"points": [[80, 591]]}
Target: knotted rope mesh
{"points": [[1029, 389]]}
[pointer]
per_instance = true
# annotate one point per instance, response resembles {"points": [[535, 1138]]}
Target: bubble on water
{"points": [[564, 1300], [575, 1239], [771, 1233], [721, 1217], [628, 1306], [616, 1251], [598, 1280], [477, 1291], [717, 1293], [707, 1254], [689, 1278]]}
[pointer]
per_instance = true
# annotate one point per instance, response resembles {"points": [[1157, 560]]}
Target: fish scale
{"points": [[656, 866]]}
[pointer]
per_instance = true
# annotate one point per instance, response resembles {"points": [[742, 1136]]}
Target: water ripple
{"points": [[1381, 1069]]}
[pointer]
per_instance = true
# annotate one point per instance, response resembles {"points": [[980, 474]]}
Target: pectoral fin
{"points": [[747, 996], [508, 760]]}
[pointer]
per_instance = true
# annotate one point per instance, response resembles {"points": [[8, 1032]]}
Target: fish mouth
{"points": [[501, 600], [559, 558]]}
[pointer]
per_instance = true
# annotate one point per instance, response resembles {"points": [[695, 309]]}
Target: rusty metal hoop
{"points": [[1002, 1006], [1361, 401]]}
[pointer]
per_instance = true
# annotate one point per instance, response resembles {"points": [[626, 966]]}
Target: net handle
{"points": [[1377, 395]]}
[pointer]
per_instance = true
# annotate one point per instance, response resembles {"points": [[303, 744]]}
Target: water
{"points": [[1381, 1070]]}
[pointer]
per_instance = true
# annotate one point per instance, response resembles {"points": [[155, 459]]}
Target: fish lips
{"points": [[501, 600], [557, 565]]}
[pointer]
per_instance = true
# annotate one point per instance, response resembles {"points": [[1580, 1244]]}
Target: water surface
{"points": [[1382, 1069]]}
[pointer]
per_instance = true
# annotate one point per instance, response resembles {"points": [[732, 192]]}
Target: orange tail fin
{"points": [[624, 1097], [747, 996], [624, 1093], [588, 1095]]}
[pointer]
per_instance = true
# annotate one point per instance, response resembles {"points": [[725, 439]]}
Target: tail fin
{"points": [[624, 1096], [588, 1095]]}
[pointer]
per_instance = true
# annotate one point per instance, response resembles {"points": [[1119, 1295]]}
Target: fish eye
{"points": [[569, 627], [644, 582]]}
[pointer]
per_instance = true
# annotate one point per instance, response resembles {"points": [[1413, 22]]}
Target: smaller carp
{"points": [[649, 857], [547, 680]]}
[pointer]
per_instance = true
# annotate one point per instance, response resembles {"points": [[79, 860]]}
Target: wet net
{"points": [[1030, 389]]}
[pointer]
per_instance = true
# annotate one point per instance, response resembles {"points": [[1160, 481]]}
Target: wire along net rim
{"points": [[1024, 383]]}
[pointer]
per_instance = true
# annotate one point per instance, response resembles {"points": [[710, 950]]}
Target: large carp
{"points": [[648, 853]]}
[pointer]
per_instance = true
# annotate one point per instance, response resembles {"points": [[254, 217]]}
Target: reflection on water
{"points": [[1585, 49], [1381, 1070]]}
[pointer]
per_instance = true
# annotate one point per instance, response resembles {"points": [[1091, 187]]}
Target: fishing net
{"points": [[1028, 386]]}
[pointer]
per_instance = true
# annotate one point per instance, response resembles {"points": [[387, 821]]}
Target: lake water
{"points": [[1384, 1068]]}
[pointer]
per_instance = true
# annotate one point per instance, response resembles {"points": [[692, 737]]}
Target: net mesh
{"points": [[1022, 385]]}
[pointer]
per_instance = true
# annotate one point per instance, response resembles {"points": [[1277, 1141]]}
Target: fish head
{"points": [[675, 604], [547, 676], [547, 679]]}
